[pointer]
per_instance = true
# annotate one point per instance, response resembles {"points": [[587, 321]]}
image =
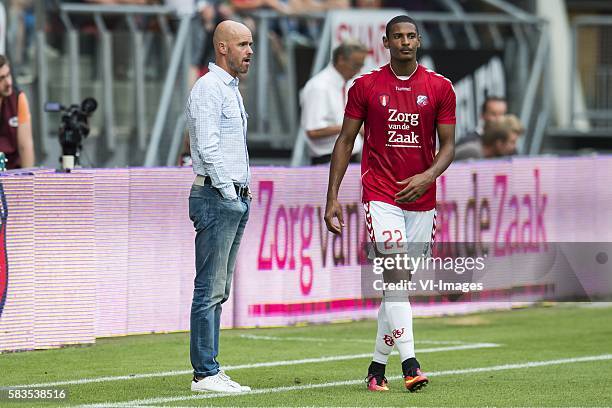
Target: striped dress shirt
{"points": [[217, 124]]}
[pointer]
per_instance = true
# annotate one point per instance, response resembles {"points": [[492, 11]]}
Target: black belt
{"points": [[241, 191]]}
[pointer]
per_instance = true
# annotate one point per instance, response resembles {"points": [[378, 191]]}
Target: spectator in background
{"points": [[291, 6], [21, 31], [323, 100], [15, 122], [499, 139], [209, 14], [319, 5], [137, 2], [368, 3], [493, 108], [250, 5]]}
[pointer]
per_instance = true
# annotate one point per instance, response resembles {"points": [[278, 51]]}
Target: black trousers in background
{"points": [[327, 159]]}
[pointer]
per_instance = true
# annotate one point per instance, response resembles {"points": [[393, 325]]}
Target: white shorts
{"points": [[393, 230]]}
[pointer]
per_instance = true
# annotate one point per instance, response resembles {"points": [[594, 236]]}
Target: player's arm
{"points": [[339, 162], [418, 184]]}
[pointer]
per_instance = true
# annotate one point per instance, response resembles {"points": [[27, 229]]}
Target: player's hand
{"points": [[334, 210], [415, 187]]}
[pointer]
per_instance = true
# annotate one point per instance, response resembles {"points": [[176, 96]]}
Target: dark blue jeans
{"points": [[219, 225]]}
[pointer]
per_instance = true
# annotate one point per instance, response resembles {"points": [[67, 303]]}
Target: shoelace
{"points": [[228, 379]]}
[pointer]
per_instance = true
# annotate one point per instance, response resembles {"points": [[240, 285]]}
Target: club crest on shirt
{"points": [[383, 99], [422, 100], [13, 122]]}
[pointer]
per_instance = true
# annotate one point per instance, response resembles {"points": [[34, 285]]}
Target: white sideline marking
{"points": [[327, 340], [246, 366], [529, 364]]}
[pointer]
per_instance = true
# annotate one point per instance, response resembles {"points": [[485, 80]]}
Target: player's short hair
{"points": [[499, 130], [485, 104], [347, 48], [3, 60], [400, 19]]}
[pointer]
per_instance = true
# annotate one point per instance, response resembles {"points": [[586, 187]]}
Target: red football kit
{"points": [[400, 118]]}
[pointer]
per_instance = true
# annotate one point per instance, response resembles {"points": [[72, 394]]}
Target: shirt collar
{"points": [[409, 76], [337, 76], [223, 74]]}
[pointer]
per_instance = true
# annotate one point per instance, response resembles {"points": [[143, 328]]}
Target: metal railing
{"points": [[271, 98], [530, 32], [276, 89], [591, 72], [272, 91], [173, 45]]}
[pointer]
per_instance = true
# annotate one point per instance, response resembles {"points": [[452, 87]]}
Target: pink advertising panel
{"points": [[290, 268], [110, 252]]}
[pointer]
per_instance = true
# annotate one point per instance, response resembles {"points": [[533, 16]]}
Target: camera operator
{"points": [[15, 122]]}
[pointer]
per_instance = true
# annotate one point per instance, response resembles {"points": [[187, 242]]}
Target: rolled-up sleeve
{"points": [[203, 114]]}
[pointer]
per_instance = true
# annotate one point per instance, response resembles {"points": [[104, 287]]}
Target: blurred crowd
{"points": [[19, 34], [303, 30], [20, 19], [496, 135]]}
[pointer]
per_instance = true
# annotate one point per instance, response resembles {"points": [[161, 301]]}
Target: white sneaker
{"points": [[245, 388], [219, 382]]}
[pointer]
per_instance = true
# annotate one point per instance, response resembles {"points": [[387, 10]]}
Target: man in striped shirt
{"points": [[219, 200]]}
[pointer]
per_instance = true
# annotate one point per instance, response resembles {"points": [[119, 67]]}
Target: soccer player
{"points": [[402, 105]]}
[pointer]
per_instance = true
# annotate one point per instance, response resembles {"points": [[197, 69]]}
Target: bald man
{"points": [[220, 198]]}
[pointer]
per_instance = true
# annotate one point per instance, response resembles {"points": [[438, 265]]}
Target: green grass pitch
{"points": [[559, 356]]}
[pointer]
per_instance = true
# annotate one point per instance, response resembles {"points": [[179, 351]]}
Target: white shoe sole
{"points": [[200, 388]]}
